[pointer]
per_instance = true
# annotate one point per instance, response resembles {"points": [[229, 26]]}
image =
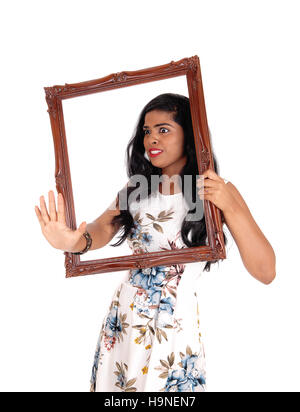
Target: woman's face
{"points": [[164, 142]]}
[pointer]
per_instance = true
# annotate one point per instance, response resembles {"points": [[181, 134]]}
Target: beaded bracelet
{"points": [[88, 244]]}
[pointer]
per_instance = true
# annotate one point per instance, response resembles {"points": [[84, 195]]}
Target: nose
{"points": [[153, 139]]}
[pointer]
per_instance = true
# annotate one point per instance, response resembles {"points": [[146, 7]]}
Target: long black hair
{"points": [[193, 233]]}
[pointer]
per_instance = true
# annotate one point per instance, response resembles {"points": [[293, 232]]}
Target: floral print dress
{"points": [[150, 340]]}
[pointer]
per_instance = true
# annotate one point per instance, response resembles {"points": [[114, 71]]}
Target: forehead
{"points": [[158, 116]]}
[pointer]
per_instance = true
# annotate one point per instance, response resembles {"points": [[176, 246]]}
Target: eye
{"points": [[164, 128], [145, 131]]}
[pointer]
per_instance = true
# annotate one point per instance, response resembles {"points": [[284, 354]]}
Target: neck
{"points": [[170, 185], [169, 188], [175, 168]]}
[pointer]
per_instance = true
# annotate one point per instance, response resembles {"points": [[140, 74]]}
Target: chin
{"points": [[157, 163]]}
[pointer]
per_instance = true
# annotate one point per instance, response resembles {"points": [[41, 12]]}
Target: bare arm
{"points": [[256, 252], [102, 230]]}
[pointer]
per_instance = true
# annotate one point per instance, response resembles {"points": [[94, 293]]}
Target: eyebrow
{"points": [[157, 125]]}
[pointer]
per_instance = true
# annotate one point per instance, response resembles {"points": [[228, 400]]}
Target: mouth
{"points": [[155, 152]]}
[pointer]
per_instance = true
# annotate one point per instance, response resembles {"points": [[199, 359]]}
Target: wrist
{"points": [[88, 244], [80, 245]]}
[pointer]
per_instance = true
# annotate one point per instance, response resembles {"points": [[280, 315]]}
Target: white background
{"points": [[249, 54]]}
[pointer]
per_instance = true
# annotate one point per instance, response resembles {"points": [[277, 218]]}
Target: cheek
{"points": [[180, 146], [175, 146]]}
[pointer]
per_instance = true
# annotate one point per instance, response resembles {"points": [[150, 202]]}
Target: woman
{"points": [[150, 338]]}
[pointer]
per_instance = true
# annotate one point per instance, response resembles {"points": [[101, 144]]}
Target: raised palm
{"points": [[53, 224]]}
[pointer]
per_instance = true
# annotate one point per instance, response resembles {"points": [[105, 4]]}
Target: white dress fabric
{"points": [[150, 339]]}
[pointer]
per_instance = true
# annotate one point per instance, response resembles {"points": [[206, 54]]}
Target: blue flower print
{"points": [[95, 367], [192, 365], [135, 231], [122, 382], [113, 327], [154, 295], [121, 378], [177, 381], [146, 238], [147, 278], [163, 316], [167, 305], [141, 303], [189, 378]]}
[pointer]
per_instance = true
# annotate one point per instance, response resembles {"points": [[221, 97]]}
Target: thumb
{"points": [[82, 227]]}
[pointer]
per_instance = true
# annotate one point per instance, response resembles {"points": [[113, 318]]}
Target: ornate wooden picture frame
{"points": [[189, 67]]}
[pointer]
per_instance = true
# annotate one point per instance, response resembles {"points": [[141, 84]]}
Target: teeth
{"points": [[155, 151]]}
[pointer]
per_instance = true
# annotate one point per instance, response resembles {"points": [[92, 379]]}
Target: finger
{"points": [[212, 175], [61, 214], [207, 183], [39, 216], [82, 227], [205, 191], [52, 207], [205, 196], [44, 210], [202, 191], [200, 180]]}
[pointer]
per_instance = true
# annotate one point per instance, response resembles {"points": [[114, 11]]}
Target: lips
{"points": [[155, 152]]}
